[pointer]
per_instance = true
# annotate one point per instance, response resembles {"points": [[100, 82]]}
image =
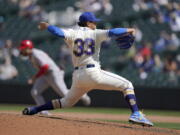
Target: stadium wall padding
{"points": [[151, 98]]}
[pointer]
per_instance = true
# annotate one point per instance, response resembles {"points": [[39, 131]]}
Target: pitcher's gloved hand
{"points": [[125, 41]]}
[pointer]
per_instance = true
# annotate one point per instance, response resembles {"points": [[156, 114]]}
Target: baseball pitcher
{"points": [[84, 44], [49, 74]]}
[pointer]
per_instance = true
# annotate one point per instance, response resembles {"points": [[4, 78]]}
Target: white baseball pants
{"points": [[86, 79]]}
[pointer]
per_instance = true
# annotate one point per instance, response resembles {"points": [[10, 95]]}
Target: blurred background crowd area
{"points": [[153, 61]]}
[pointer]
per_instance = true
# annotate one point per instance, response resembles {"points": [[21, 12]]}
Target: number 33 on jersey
{"points": [[86, 47]]}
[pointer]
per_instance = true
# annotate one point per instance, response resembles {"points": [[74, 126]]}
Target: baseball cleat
{"points": [[29, 111], [139, 118]]}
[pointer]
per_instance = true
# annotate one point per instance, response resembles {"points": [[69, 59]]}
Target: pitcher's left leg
{"points": [[110, 81]]}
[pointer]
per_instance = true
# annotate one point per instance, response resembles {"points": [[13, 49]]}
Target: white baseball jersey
{"points": [[40, 58], [84, 44]]}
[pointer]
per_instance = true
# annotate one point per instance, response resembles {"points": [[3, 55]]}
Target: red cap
{"points": [[26, 44]]}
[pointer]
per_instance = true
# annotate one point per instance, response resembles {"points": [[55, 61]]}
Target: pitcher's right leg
{"points": [[73, 96], [69, 100]]}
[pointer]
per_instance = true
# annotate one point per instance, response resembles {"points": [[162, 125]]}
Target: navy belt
{"points": [[87, 66]]}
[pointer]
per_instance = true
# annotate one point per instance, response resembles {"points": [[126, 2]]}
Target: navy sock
{"points": [[131, 100], [47, 106]]}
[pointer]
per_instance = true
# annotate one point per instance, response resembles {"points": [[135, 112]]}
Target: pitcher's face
{"points": [[91, 25]]}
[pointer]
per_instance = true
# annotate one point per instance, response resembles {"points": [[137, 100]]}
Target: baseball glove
{"points": [[125, 41]]}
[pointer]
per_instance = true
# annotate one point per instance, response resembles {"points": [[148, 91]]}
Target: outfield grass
{"points": [[8, 107], [157, 124], [120, 111]]}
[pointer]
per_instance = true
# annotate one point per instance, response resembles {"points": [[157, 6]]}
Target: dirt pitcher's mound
{"points": [[17, 124]]}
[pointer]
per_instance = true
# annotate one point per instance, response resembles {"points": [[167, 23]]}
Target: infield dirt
{"points": [[17, 124]]}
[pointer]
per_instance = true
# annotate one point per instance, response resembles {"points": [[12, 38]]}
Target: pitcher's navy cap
{"points": [[88, 17]]}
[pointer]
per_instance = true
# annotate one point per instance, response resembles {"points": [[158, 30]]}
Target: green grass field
{"points": [[19, 108]]}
